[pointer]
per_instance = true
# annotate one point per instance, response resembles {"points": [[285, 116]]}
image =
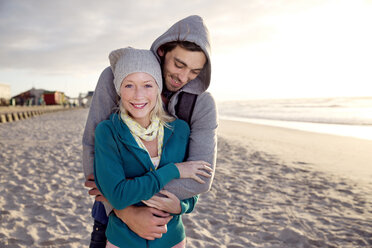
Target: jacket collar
{"points": [[124, 135]]}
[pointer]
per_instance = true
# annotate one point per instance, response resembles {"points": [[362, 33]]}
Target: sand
{"points": [[42, 199], [273, 187], [277, 187]]}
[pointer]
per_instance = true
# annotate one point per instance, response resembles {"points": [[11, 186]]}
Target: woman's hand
{"points": [[191, 169], [169, 203]]}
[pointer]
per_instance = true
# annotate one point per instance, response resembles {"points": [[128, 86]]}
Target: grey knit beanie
{"points": [[128, 60]]}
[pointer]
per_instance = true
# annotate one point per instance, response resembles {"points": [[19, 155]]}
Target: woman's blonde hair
{"points": [[157, 111]]}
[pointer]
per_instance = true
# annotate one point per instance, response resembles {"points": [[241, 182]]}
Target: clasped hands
{"points": [[156, 215], [154, 218]]}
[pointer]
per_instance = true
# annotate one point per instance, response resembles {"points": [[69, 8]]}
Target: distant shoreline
{"points": [[347, 130]]}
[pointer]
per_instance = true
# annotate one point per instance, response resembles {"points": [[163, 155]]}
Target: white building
{"points": [[5, 91]]}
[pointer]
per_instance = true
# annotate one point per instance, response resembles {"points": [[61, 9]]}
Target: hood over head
{"points": [[191, 29]]}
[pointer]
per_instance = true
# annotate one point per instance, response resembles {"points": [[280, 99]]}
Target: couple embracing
{"points": [[144, 164]]}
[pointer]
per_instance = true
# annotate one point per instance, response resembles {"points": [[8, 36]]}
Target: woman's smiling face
{"points": [[139, 93]]}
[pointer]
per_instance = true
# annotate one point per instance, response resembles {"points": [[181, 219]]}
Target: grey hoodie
{"points": [[203, 125]]}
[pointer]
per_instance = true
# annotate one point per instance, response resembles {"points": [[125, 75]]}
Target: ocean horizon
{"points": [[345, 116]]}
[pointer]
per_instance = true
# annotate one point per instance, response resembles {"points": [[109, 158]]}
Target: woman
{"points": [[137, 150]]}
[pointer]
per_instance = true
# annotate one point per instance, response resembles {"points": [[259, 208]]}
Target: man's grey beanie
{"points": [[128, 60]]}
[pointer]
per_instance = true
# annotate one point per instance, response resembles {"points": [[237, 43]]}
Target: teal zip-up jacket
{"points": [[125, 175]]}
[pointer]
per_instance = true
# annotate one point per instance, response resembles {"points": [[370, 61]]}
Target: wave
{"points": [[347, 111], [340, 116]]}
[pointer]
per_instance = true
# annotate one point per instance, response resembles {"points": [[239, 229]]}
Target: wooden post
{"points": [[9, 117], [2, 118]]}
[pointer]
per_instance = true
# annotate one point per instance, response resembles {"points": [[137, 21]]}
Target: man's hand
{"points": [[90, 183], [169, 203], [148, 223], [191, 169]]}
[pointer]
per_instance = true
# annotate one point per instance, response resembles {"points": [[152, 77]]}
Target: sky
{"points": [[260, 48]]}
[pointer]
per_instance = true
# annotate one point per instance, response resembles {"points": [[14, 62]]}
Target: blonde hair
{"points": [[157, 111]]}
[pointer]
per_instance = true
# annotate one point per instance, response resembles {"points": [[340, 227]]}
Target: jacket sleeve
{"points": [[110, 176], [188, 205], [103, 103], [202, 146]]}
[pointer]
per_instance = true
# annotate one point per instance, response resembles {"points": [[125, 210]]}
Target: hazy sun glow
{"points": [[322, 51]]}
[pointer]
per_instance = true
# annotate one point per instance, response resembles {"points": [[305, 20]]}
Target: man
{"points": [[184, 54]]}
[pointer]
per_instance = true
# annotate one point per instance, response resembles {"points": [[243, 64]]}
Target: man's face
{"points": [[181, 66]]}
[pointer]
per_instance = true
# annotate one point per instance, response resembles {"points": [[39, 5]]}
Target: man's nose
{"points": [[184, 76]]}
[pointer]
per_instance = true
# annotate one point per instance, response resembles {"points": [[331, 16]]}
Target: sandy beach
{"points": [[274, 187]]}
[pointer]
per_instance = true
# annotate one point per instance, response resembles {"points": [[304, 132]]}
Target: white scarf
{"points": [[155, 129]]}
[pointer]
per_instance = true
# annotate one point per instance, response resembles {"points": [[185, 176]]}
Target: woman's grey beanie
{"points": [[128, 60]]}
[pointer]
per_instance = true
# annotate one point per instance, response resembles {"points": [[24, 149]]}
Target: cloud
{"points": [[78, 35], [50, 41], [63, 35]]}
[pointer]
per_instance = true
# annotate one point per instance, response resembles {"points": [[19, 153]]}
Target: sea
{"points": [[345, 116]]}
